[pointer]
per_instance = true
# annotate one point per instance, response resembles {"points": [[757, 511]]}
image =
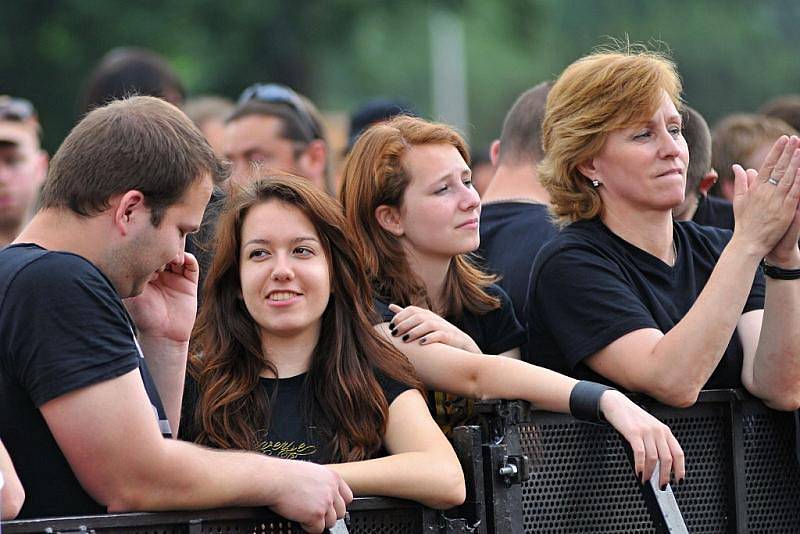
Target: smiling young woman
{"points": [[286, 361]]}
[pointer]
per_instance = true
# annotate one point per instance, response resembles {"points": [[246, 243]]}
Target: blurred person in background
{"points": [[697, 205], [743, 138], [273, 128], [128, 71], [209, 112], [482, 169], [371, 112], [23, 165], [515, 221], [784, 107], [375, 111]]}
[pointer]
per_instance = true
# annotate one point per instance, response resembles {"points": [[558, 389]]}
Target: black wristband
{"points": [[584, 401], [778, 273]]}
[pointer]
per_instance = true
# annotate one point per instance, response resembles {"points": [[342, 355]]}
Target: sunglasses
{"points": [[16, 109], [273, 93]]}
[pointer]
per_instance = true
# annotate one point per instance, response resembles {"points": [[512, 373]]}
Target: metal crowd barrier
{"points": [[563, 475], [530, 471], [365, 516]]}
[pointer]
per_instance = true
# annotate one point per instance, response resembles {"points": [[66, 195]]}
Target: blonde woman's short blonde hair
{"points": [[596, 95]]}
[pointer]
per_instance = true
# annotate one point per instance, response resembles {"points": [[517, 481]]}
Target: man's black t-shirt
{"points": [[495, 332], [288, 435], [589, 287], [62, 327], [511, 235], [714, 211]]}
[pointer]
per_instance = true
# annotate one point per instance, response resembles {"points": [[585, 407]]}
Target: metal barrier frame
{"points": [[743, 475], [365, 515]]}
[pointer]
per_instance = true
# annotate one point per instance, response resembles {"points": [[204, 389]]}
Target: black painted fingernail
{"points": [[680, 481], [641, 477], [664, 487], [405, 337], [391, 326], [394, 332], [422, 341]]}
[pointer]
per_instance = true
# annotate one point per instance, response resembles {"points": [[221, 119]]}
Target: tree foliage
{"points": [[732, 54]]}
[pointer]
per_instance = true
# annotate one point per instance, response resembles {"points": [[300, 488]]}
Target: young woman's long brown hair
{"points": [[345, 402], [374, 175]]}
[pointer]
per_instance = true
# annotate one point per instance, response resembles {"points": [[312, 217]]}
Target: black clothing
{"points": [[288, 435], [714, 211], [201, 243], [511, 235], [589, 287], [62, 327], [495, 332]]}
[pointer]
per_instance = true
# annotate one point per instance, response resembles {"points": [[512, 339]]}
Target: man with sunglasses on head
{"points": [[273, 127], [23, 165]]}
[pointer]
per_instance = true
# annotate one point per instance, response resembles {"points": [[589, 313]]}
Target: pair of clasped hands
{"points": [[766, 205]]}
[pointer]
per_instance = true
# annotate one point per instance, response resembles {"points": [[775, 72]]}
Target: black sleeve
{"points": [[584, 302], [381, 310], [66, 328], [502, 330], [391, 387], [191, 396]]}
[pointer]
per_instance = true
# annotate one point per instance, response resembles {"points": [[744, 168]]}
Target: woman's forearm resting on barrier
{"points": [[445, 368]]}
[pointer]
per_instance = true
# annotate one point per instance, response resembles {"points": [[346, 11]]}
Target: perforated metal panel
{"points": [[581, 481], [250, 527], [367, 516], [706, 499], [771, 470], [386, 522]]}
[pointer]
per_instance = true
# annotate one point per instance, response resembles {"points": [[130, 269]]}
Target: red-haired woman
{"points": [[287, 361]]}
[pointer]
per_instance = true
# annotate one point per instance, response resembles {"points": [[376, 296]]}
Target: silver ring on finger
{"points": [[772, 180]]}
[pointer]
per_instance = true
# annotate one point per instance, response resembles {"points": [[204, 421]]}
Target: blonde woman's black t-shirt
{"points": [[589, 287], [289, 434]]}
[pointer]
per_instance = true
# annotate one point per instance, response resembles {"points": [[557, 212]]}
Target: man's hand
{"points": [[311, 494], [167, 307]]}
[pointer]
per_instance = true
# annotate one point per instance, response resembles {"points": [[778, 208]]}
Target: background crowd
{"points": [[554, 249]]}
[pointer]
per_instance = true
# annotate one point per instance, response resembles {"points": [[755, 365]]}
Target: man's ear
{"points": [[494, 152], [313, 162], [707, 182], [128, 209], [389, 219]]}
